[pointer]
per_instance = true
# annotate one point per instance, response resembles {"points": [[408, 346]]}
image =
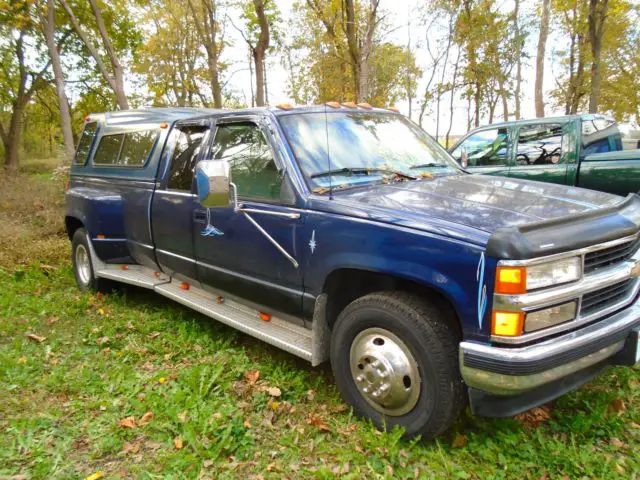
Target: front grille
{"points": [[605, 297], [610, 256]]}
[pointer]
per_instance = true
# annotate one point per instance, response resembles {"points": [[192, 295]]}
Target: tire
{"points": [[83, 266], [420, 346]]}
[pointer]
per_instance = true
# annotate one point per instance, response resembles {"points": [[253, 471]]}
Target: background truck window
{"points": [[487, 148], [253, 168], [540, 145], [84, 145], [188, 139]]}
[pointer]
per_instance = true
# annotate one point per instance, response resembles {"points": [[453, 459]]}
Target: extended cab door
{"points": [[543, 151], [174, 200], [487, 151], [232, 248]]}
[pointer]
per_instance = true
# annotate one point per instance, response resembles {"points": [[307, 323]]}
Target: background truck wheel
{"points": [[82, 266], [395, 360]]}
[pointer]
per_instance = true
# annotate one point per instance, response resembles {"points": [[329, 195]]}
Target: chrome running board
{"points": [[310, 344]]}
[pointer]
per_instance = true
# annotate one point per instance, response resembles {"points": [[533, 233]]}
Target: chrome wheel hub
{"points": [[385, 371], [83, 264]]}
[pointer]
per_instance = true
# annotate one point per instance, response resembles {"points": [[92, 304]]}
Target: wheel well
{"points": [[346, 285], [72, 224]]}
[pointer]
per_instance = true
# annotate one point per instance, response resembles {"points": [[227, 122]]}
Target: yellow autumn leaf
{"points": [[101, 311], [162, 380], [95, 476], [177, 442]]}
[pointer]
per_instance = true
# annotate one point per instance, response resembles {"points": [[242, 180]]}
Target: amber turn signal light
{"points": [[265, 317], [511, 280], [507, 324]]}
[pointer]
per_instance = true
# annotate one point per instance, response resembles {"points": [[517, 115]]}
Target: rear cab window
{"points": [[84, 144], [130, 149]]}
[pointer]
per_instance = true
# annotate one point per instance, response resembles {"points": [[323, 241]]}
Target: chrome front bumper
{"points": [[511, 371]]}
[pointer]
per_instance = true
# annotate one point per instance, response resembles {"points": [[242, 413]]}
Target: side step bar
{"points": [[312, 345]]}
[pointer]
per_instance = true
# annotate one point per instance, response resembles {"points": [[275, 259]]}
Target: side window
{"points": [[136, 148], [253, 168], [599, 146], [188, 139], [108, 150], [485, 149], [84, 145], [540, 145]]}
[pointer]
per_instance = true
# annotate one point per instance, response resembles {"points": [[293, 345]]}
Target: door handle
{"points": [[200, 216]]}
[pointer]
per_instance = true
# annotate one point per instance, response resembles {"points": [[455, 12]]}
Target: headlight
{"points": [[516, 280]]}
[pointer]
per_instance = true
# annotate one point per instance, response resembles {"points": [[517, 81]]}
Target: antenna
{"points": [[326, 129]]}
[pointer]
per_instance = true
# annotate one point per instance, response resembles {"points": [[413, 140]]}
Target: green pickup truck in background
{"points": [[581, 150]]}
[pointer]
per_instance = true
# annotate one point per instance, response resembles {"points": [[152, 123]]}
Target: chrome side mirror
{"points": [[213, 178], [464, 159]]}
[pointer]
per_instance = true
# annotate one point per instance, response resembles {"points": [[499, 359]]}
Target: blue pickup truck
{"points": [[345, 233]]}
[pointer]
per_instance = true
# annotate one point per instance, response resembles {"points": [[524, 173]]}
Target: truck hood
{"points": [[480, 202]]}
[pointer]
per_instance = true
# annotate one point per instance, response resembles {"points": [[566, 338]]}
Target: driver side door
{"points": [[233, 251]]}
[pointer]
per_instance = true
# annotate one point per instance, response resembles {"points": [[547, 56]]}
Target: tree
{"points": [[48, 19], [115, 77], [20, 75], [597, 17], [357, 23], [260, 18], [542, 45], [519, 44], [170, 61], [210, 30]]}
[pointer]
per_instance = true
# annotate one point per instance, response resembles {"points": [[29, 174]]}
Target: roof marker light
{"points": [[394, 109], [332, 104], [284, 106], [184, 286], [365, 105], [164, 125], [349, 104], [265, 317]]}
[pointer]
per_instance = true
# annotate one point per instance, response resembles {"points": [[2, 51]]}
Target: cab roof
{"points": [[563, 118], [124, 118]]}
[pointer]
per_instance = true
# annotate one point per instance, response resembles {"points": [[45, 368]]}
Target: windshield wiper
{"points": [[428, 165], [362, 170]]}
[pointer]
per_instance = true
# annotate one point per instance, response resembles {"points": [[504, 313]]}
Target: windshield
{"points": [[365, 147]]}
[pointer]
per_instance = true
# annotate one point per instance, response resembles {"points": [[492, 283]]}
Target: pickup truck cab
{"points": [[579, 150], [345, 233]]}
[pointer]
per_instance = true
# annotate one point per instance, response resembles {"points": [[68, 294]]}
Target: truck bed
{"points": [[615, 172]]}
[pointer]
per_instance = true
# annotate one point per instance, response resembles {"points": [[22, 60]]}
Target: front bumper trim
{"points": [[510, 371]]}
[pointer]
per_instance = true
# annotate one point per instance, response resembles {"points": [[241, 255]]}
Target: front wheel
{"points": [[395, 360]]}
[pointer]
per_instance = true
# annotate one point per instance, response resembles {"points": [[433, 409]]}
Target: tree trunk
{"points": [[12, 146], [115, 80], [542, 45], [597, 16], [578, 90], [505, 101], [516, 26], [118, 71], [477, 98], [259, 51], [63, 101], [453, 88]]}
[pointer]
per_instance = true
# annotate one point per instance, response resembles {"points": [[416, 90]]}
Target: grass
{"points": [[130, 385]]}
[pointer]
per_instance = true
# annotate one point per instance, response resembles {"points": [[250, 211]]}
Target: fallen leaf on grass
{"points": [[154, 335], [270, 467], [459, 441], [274, 391], [128, 422], [273, 405], [102, 340], [131, 447], [146, 418], [617, 406], [207, 463], [162, 380], [317, 422], [247, 424], [95, 476], [50, 321], [36, 338], [182, 416], [616, 442], [340, 408], [101, 311], [177, 442], [252, 376], [535, 417], [22, 360]]}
